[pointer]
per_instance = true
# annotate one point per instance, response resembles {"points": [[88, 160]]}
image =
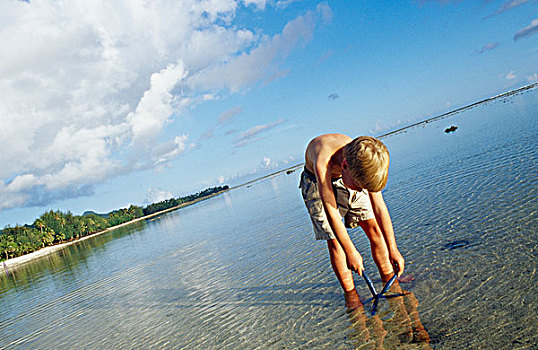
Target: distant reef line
{"points": [[55, 230], [448, 114], [461, 109]]}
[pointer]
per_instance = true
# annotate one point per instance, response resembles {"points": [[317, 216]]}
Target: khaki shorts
{"points": [[353, 206]]}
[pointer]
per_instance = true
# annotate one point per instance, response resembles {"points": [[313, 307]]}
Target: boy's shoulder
{"points": [[321, 149], [332, 137], [329, 142]]}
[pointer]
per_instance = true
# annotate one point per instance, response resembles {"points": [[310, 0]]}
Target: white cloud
{"points": [[268, 164], [532, 78], [168, 151], [155, 195], [88, 88], [251, 66], [267, 161], [326, 13], [265, 166], [260, 4], [382, 126], [510, 75], [282, 4], [155, 106]]}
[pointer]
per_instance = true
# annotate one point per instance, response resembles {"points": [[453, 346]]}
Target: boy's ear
{"points": [[344, 164]]}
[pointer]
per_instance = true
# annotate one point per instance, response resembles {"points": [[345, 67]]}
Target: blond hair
{"points": [[368, 160]]}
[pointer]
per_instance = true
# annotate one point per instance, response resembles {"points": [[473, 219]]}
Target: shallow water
{"points": [[242, 270]]}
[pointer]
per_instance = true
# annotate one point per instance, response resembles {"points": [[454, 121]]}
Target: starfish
{"points": [[375, 295]]}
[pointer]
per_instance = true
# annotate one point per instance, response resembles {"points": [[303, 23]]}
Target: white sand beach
{"points": [[15, 262]]}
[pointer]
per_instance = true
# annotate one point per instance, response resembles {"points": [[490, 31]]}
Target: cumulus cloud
{"points": [[527, 31], [270, 164], [265, 166], [326, 13], [251, 134], [488, 47], [282, 4], [382, 126], [88, 90], [155, 195], [260, 4], [155, 107], [168, 151], [510, 75], [532, 78]]}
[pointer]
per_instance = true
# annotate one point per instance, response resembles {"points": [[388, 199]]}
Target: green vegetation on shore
{"points": [[57, 227]]}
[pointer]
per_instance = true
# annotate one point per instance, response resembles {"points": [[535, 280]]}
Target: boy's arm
{"points": [[354, 259], [385, 224]]}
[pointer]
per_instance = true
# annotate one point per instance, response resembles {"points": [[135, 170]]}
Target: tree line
{"points": [[54, 227]]}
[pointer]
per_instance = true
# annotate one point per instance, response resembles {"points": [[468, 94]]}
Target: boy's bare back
{"points": [[321, 153]]}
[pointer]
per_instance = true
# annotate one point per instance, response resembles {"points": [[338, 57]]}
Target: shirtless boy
{"points": [[343, 178]]}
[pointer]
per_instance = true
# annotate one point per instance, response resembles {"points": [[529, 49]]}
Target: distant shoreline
{"points": [[15, 262]]}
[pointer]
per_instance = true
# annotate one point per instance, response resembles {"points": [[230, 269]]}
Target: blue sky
{"points": [[131, 102]]}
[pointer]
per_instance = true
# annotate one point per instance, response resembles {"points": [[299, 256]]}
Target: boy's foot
{"points": [[386, 277], [420, 335], [352, 299]]}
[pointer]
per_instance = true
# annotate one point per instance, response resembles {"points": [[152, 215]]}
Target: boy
{"points": [[343, 178]]}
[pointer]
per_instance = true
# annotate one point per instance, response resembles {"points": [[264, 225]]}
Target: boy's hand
{"points": [[398, 262], [354, 262]]}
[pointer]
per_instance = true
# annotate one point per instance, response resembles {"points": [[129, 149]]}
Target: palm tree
{"points": [[3, 247], [80, 227], [40, 224], [11, 248], [58, 215], [48, 236], [59, 236], [91, 225]]}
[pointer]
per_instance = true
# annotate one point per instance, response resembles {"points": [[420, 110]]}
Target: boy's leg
{"points": [[378, 246], [343, 273], [360, 212], [322, 230], [339, 265]]}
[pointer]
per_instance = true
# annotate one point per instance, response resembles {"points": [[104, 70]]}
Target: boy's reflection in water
{"points": [[403, 327]]}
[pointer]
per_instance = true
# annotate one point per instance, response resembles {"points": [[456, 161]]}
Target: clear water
{"points": [[242, 270]]}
